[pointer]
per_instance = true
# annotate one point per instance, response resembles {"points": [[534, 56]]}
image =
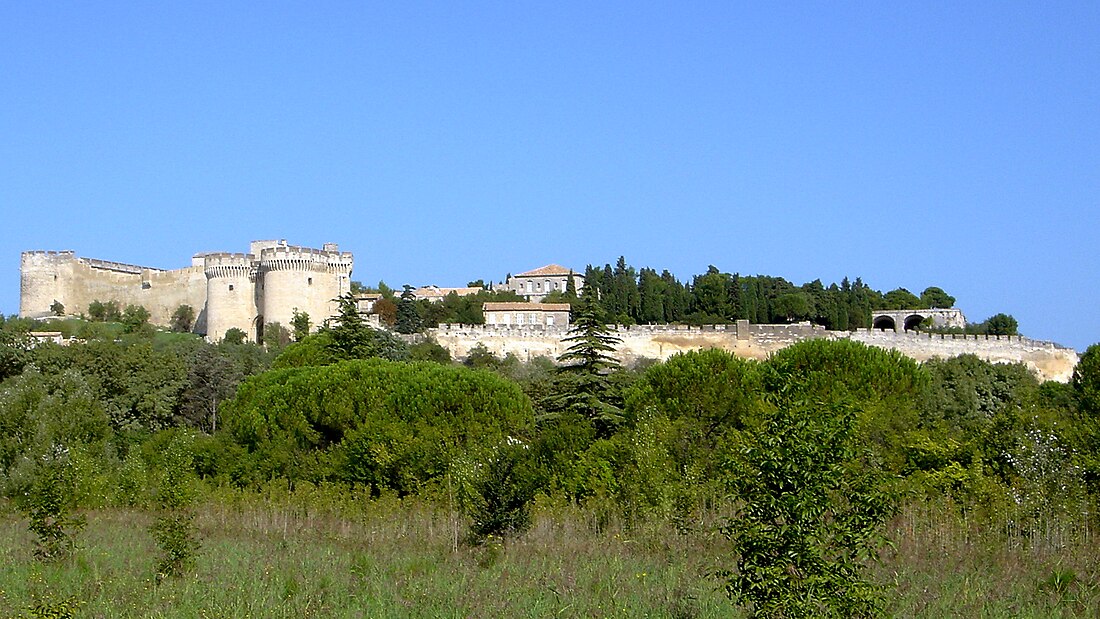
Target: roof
{"points": [[550, 269], [517, 306], [431, 291]]}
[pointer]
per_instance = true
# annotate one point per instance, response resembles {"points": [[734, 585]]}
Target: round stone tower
{"points": [[304, 279], [230, 294]]}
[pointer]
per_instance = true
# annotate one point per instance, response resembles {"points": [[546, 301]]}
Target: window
{"points": [[231, 286], [309, 282]]}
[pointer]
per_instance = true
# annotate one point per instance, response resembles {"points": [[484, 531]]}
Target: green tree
{"points": [[900, 299], [57, 308], [174, 528], [935, 297], [97, 311], [211, 380], [48, 504], [234, 336], [429, 350], [135, 319], [712, 295], [348, 337], [183, 319], [1086, 381], [1001, 324], [704, 394], [792, 307], [299, 324], [584, 387], [276, 336], [809, 517], [408, 318], [112, 312], [496, 490], [383, 425], [1086, 391], [571, 287]]}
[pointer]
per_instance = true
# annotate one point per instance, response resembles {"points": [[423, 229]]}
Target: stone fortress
{"points": [[273, 280], [226, 290]]}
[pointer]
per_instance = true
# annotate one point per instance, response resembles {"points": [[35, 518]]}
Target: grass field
{"points": [[308, 556]]}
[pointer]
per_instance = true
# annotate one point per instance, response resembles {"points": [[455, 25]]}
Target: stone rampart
{"points": [[1047, 360], [77, 282], [227, 290]]}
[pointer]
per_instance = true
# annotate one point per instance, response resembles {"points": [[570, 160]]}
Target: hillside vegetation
{"points": [[153, 474]]}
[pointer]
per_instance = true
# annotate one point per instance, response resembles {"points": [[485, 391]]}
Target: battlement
{"points": [[65, 253], [294, 258], [118, 267], [227, 290], [1047, 360], [223, 264]]}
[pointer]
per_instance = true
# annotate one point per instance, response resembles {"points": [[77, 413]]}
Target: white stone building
{"points": [[536, 284], [526, 314]]}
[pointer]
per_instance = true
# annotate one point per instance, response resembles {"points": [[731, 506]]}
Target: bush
{"points": [[387, 425]]}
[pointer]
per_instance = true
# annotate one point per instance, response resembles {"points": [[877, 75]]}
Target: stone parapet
{"points": [[1047, 360]]}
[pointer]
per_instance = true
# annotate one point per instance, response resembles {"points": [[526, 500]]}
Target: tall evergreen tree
{"points": [[570, 288], [583, 385], [408, 318]]}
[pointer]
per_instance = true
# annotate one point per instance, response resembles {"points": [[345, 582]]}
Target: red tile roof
{"points": [[550, 269]]}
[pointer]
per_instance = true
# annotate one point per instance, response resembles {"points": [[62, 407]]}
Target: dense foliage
{"points": [[143, 418], [644, 296]]}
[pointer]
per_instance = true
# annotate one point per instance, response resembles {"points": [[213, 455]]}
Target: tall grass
{"points": [[319, 552]]}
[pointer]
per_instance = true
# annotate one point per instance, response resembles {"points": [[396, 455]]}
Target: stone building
{"points": [[526, 314], [435, 294], [226, 290], [536, 284]]}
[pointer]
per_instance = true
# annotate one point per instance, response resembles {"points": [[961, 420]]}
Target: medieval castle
{"points": [[274, 280], [226, 290]]}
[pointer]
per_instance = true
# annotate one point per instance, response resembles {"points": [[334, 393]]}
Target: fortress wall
{"points": [[42, 281], [1047, 360], [162, 292], [77, 282]]}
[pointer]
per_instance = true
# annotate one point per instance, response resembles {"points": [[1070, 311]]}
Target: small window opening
{"points": [[309, 282], [231, 286]]}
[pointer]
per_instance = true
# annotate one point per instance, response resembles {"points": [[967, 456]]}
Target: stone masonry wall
{"points": [[1047, 360], [77, 282]]}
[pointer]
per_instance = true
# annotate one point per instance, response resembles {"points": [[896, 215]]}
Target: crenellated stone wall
{"points": [[46, 277], [1047, 360], [226, 290]]}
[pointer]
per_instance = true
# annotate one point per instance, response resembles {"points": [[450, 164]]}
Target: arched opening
{"points": [[884, 323], [912, 323]]}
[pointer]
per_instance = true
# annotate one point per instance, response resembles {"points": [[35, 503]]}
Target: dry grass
{"points": [[316, 554]]}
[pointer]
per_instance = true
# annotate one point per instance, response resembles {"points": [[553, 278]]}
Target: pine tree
{"points": [[408, 319], [583, 385]]}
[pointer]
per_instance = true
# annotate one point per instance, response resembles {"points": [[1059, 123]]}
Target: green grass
{"points": [[305, 555]]}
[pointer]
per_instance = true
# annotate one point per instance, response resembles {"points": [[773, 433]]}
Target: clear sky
{"points": [[910, 144]]}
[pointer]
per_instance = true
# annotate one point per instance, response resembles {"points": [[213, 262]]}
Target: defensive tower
{"points": [[43, 276], [301, 278], [230, 294]]}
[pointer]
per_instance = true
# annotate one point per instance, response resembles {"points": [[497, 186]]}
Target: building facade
{"points": [[526, 314], [536, 284]]}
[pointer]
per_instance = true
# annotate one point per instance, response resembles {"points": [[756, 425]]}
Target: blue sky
{"points": [[910, 144]]}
